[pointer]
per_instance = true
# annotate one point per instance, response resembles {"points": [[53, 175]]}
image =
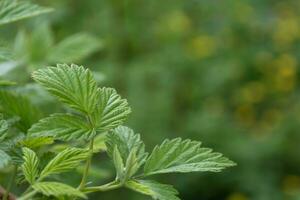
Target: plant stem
{"points": [[103, 188], [87, 166], [11, 182], [28, 196]]}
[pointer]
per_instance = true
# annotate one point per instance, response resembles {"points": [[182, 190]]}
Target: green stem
{"points": [[28, 196], [103, 188], [87, 167], [11, 182]]}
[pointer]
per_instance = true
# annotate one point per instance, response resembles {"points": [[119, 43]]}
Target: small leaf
{"points": [[66, 160], [73, 85], [154, 189], [74, 48], [126, 140], [12, 10], [4, 159], [30, 165], [111, 111], [62, 127], [130, 147], [184, 156], [57, 189]]}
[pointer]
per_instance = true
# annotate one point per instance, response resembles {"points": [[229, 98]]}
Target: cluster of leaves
{"points": [[94, 113], [38, 47], [97, 111], [13, 10], [21, 114]]}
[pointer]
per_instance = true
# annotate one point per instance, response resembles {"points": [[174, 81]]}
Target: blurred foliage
{"points": [[223, 72]]}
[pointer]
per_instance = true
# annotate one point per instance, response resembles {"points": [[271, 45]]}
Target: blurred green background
{"points": [[223, 72]]}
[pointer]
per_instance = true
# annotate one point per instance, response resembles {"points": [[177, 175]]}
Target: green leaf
{"points": [[74, 48], [126, 140], [133, 164], [111, 111], [183, 156], [62, 127], [154, 189], [66, 160], [11, 146], [123, 141], [34, 142], [36, 46], [4, 159], [3, 129], [118, 163], [57, 189], [73, 85], [30, 165], [15, 105], [12, 10]]}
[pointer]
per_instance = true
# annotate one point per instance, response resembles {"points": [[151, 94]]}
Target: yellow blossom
{"points": [[253, 92], [285, 75], [245, 114], [201, 46], [176, 22], [287, 31], [237, 196], [291, 184]]}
